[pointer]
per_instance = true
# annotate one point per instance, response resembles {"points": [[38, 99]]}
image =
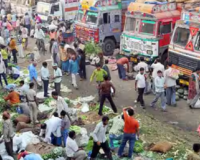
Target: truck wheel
{"points": [[108, 47]]}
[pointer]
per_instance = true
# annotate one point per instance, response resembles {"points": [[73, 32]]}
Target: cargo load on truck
{"points": [[101, 21], [184, 48], [148, 30]]}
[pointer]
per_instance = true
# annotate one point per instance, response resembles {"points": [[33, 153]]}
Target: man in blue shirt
{"points": [[33, 73]]}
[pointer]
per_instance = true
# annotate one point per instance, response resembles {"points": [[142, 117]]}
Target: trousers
{"points": [[4, 77], [14, 54], [33, 112], [160, 95], [57, 88], [140, 96], [46, 85], [102, 100], [9, 147], [104, 146], [74, 80], [80, 155]]}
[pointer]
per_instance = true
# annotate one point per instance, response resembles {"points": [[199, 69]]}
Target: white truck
{"points": [[62, 9]]}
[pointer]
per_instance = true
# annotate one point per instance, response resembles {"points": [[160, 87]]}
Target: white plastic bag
{"points": [[85, 108]]}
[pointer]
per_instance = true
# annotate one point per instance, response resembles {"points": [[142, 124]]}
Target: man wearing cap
{"points": [[160, 90], [33, 73], [57, 78]]}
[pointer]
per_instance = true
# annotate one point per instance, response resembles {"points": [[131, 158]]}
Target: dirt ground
{"points": [[180, 121]]}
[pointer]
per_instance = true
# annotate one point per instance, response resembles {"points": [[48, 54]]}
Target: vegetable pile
{"points": [[57, 152], [77, 129], [96, 108]]}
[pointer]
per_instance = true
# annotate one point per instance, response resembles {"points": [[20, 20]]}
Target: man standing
{"points": [[170, 85], [99, 136], [27, 22], [45, 78], [57, 78], [131, 129], [120, 66], [54, 50], [142, 64], [40, 36], [72, 149], [33, 73], [8, 133], [160, 90], [140, 86], [156, 66], [32, 102], [13, 48], [105, 90]]}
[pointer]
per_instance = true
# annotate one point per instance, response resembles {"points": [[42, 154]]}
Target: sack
{"points": [[174, 73], [162, 147], [85, 108], [22, 125], [22, 118]]}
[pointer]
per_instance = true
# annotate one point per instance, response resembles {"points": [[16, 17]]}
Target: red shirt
{"points": [[131, 125]]}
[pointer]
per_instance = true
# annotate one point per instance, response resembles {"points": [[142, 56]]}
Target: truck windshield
{"points": [[147, 27], [181, 36], [91, 17], [43, 8], [79, 15], [130, 24]]}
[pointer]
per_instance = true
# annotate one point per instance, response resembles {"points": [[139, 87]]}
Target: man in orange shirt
{"points": [[13, 48], [131, 129], [121, 69], [12, 97]]}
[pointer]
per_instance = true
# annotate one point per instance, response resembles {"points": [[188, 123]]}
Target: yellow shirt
{"points": [[9, 17], [4, 54]]}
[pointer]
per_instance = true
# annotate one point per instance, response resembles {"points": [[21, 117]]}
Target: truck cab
{"points": [[63, 9], [101, 21], [184, 49], [148, 29]]}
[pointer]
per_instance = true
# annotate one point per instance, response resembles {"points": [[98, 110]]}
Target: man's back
{"points": [[156, 67], [106, 87], [122, 60]]}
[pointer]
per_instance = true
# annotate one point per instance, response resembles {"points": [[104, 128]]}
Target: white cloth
{"points": [[71, 147], [170, 82], [2, 67], [141, 65], [39, 34], [24, 32], [20, 51], [58, 73], [61, 105], [74, 79], [15, 71], [53, 124], [156, 67], [140, 78], [159, 84], [99, 133], [45, 73]]}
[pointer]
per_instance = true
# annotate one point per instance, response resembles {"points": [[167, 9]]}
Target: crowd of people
{"points": [[70, 60]]}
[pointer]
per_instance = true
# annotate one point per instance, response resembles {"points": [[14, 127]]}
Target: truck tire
{"points": [[108, 47]]}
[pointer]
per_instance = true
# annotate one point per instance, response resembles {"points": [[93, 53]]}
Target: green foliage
{"points": [[92, 48]]}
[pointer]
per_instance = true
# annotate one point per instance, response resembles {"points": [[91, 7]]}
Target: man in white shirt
{"points": [[14, 72], [72, 149], [142, 64], [40, 36], [52, 129], [156, 66], [23, 90], [160, 91], [45, 78], [57, 78], [170, 85], [140, 84], [100, 141], [25, 35]]}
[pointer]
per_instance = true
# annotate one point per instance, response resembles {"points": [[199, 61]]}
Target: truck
{"points": [[64, 10], [20, 7], [184, 48], [148, 29], [101, 21]]}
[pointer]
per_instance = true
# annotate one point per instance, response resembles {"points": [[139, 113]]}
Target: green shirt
{"points": [[98, 74], [4, 54]]}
